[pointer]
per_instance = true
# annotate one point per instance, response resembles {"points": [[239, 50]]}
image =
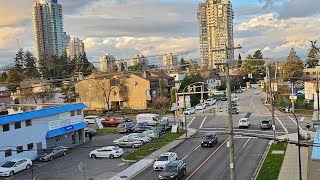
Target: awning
{"points": [[65, 130]]}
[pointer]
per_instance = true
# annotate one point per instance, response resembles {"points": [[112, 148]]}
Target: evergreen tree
{"points": [[293, 67], [313, 57], [3, 77], [239, 61], [30, 70], [19, 61], [13, 79]]}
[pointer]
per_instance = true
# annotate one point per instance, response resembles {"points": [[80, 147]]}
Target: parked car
{"points": [[209, 139], [13, 166], [164, 128], [89, 130], [126, 127], [234, 110], [265, 124], [224, 98], [139, 136], [111, 122], [189, 111], [50, 154], [210, 101], [108, 151], [200, 106], [164, 159], [235, 98], [173, 170], [151, 133], [92, 119], [239, 91], [140, 127], [234, 103], [244, 122], [128, 142]]}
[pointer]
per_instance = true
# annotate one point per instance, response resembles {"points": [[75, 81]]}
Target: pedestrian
{"points": [[90, 136]]}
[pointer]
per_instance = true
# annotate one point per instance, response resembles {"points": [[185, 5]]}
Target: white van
{"points": [[152, 119], [92, 119]]}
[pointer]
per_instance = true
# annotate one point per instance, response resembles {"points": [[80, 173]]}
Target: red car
{"points": [[112, 121]]}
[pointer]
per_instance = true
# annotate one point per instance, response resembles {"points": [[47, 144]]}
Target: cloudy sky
{"points": [[126, 27]]}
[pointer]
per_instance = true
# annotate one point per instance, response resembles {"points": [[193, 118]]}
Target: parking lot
{"points": [[71, 167]]}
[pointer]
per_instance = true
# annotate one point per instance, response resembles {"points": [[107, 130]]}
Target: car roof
{"points": [[244, 118], [174, 163], [18, 159], [167, 154]]}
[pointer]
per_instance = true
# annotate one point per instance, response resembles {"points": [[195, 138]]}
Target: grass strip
{"points": [[272, 164], [108, 130], [152, 146]]}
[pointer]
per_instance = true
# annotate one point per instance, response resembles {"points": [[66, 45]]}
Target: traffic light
{"points": [[189, 89], [210, 92], [194, 88], [262, 85]]}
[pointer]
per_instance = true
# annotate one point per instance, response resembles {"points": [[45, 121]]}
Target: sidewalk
{"points": [[147, 161], [290, 165]]}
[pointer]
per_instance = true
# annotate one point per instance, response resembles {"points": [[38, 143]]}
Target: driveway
{"points": [[77, 165]]}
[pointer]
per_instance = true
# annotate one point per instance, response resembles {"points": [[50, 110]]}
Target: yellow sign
{"points": [[262, 85], [209, 92], [248, 85]]}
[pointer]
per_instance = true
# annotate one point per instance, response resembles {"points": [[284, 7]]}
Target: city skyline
{"points": [[272, 26]]}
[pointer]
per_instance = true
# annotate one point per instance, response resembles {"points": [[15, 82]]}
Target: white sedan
{"points": [[244, 122], [140, 137], [189, 111], [109, 152], [200, 106], [13, 166], [163, 160]]}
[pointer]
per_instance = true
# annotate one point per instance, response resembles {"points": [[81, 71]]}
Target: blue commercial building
{"points": [[23, 135]]}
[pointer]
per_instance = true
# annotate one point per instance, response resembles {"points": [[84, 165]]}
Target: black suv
{"points": [[224, 98], [173, 170], [209, 139]]}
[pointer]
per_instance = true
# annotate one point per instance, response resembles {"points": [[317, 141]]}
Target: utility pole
{"points": [[271, 101], [230, 144], [318, 95]]}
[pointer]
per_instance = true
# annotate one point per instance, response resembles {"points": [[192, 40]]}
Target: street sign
{"points": [[248, 85], [274, 87], [293, 97]]}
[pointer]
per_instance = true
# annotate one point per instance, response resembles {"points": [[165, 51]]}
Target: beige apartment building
{"points": [[215, 18], [170, 61]]}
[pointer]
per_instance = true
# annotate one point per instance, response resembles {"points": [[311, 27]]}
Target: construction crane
{"points": [[18, 43]]}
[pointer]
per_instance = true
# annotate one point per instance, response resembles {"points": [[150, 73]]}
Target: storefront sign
{"points": [[68, 128], [54, 124]]}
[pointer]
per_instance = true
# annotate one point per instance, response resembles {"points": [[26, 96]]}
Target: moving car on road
{"points": [[234, 110], [200, 106], [50, 154], [189, 111], [244, 122], [209, 139], [108, 151], [210, 101], [173, 170], [164, 159], [13, 166], [224, 98], [265, 124]]}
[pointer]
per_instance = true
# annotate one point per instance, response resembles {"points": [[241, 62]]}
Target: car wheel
{"points": [[93, 156], [51, 158], [133, 146], [184, 172], [111, 156], [28, 166], [65, 153], [11, 173]]}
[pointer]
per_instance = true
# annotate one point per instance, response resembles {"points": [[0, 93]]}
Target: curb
{"points": [[256, 172], [149, 160], [130, 161]]}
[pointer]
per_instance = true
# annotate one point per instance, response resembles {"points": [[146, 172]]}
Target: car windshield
{"points": [[170, 169], [243, 120], [8, 164], [234, 108], [163, 158], [265, 122], [208, 137]]}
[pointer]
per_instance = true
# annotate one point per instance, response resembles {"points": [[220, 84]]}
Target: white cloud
{"points": [[8, 37]]}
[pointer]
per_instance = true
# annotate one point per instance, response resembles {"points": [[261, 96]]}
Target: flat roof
{"points": [[6, 119]]}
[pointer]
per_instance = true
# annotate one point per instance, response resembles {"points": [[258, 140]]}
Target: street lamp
{"points": [[299, 151], [184, 102]]}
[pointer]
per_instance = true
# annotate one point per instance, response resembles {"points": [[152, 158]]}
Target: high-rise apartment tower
{"points": [[215, 19], [48, 29]]}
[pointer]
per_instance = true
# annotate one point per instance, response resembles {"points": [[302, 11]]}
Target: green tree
{"points": [[13, 79], [3, 76], [30, 69], [252, 65], [19, 61], [122, 67], [189, 79], [137, 67], [239, 61], [293, 67], [313, 57], [173, 95], [257, 54]]}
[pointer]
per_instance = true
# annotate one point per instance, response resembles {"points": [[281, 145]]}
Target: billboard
{"points": [[181, 102], [309, 90]]}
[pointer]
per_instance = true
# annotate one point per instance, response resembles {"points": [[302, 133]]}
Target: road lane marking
{"points": [[191, 121], [285, 129], [197, 147], [245, 143], [150, 172], [185, 156], [294, 122], [204, 119], [207, 159]]}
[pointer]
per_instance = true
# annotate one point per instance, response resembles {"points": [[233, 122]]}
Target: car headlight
{"points": [[202, 142], [160, 177], [210, 141], [172, 176]]}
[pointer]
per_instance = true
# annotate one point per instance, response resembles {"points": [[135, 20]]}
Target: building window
{"points": [[30, 146], [6, 127], [17, 125], [19, 149], [314, 73], [307, 73], [71, 113], [28, 123], [78, 112], [8, 153]]}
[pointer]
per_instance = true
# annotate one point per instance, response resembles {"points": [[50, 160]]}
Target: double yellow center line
{"points": [[206, 159]]}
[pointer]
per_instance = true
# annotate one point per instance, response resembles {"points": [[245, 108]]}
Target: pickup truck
{"points": [[111, 122]]}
